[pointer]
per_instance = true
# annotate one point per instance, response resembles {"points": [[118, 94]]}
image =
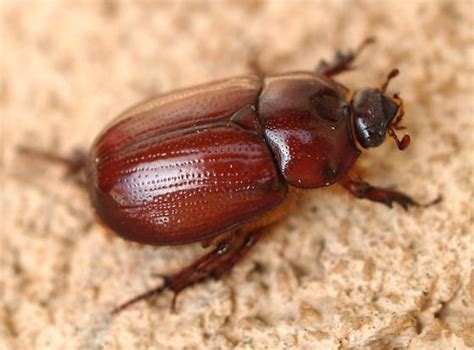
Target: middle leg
{"points": [[212, 265], [342, 62]]}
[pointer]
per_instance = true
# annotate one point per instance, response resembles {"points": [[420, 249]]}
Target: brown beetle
{"points": [[218, 162]]}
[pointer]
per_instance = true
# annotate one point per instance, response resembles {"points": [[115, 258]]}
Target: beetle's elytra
{"points": [[218, 162]]}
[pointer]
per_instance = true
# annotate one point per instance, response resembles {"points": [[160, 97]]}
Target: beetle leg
{"points": [[212, 265], [254, 65], [74, 163], [362, 189], [215, 241], [342, 61]]}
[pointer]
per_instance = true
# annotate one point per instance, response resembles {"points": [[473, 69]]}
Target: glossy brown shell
{"points": [[176, 169], [306, 121], [197, 162]]}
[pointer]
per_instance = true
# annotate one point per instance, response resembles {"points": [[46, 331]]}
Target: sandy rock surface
{"points": [[338, 273]]}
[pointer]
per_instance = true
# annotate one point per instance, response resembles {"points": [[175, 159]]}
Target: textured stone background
{"points": [[338, 273]]}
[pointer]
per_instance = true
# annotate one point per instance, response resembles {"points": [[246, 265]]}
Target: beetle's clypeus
{"points": [[218, 162]]}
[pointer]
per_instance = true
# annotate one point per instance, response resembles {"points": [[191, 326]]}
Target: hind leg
{"points": [[74, 163], [212, 265]]}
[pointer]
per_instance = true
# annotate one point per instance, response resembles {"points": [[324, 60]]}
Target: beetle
{"points": [[219, 163]]}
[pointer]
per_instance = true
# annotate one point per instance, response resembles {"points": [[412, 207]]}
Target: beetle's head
{"points": [[376, 114]]}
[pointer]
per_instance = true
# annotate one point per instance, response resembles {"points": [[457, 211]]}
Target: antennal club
{"points": [[403, 143]]}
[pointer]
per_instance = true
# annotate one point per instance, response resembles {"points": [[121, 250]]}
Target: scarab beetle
{"points": [[218, 162]]}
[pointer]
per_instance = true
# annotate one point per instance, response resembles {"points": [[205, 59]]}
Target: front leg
{"points": [[362, 189], [341, 62]]}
